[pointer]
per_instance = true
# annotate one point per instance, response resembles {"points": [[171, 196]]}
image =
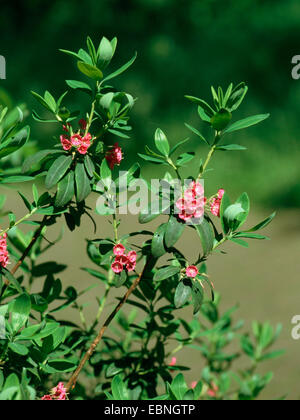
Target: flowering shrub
{"points": [[38, 351]]}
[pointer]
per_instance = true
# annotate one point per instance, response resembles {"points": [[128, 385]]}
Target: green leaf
{"points": [[19, 349], [20, 311], [16, 179], [42, 101], [185, 158], [36, 158], [181, 143], [263, 224], [231, 147], [118, 389], [174, 231], [105, 53], [233, 214], [236, 97], [90, 71], [83, 185], [240, 242], [179, 387], [14, 143], [105, 173], [59, 365], [166, 273], [247, 122], [182, 294], [50, 101], [206, 235], [157, 245], [57, 170], [151, 159], [198, 296], [14, 282], [221, 120], [244, 201], [89, 165], [65, 190], [121, 69], [195, 131], [162, 143], [206, 108], [225, 203], [76, 84]]}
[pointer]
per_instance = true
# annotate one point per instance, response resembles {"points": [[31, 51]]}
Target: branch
{"points": [[72, 382], [28, 249]]}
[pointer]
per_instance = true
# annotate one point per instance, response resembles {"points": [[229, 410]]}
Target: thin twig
{"points": [[28, 249], [72, 382]]}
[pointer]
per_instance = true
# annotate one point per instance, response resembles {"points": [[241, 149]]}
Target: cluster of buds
{"points": [[81, 141], [123, 261], [215, 203], [4, 258], [58, 393], [191, 206], [114, 156]]}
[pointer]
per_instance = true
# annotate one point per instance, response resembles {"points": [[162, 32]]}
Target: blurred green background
{"points": [[183, 47]]}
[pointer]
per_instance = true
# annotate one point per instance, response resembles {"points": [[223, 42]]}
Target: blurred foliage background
{"points": [[184, 46]]}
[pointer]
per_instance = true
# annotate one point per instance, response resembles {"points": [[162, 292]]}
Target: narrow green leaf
{"points": [[161, 142], [57, 170], [245, 123], [65, 190], [83, 185], [174, 231]]}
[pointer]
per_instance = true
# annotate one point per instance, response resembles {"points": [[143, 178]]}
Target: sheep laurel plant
{"points": [[131, 354]]}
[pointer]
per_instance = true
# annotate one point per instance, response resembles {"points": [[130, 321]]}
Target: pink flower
{"points": [[173, 361], [47, 398], [122, 259], [76, 140], [82, 149], [212, 392], [114, 156], [57, 393], [193, 384], [215, 204], [4, 257], [82, 124], [66, 144], [192, 203], [192, 271], [130, 266], [117, 267], [132, 256], [119, 250]]}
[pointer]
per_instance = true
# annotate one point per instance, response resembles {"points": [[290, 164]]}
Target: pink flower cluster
{"points": [[215, 203], [114, 156], [191, 206], [192, 272], [57, 393], [122, 260], [80, 141], [4, 258]]}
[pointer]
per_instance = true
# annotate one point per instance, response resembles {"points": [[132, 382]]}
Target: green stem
{"points": [[88, 126], [115, 226], [27, 216]]}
